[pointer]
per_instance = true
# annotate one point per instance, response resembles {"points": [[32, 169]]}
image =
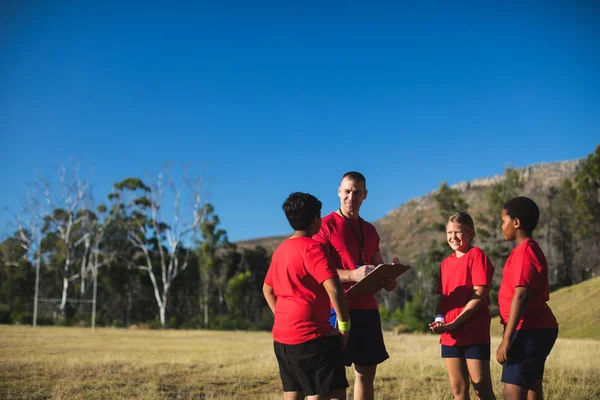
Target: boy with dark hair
{"points": [[299, 286], [530, 328]]}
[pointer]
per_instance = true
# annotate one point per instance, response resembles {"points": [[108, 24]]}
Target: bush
{"points": [[5, 317], [117, 323]]}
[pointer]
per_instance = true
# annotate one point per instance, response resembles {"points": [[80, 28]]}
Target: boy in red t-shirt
{"points": [[299, 286], [530, 328], [463, 315]]}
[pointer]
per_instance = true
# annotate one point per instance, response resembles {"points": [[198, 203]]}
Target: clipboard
{"points": [[371, 283]]}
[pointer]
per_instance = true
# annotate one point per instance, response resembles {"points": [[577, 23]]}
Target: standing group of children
{"points": [[304, 281]]}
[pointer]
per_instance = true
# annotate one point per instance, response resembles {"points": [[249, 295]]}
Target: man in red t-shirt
{"points": [[299, 286], [530, 328], [353, 244]]}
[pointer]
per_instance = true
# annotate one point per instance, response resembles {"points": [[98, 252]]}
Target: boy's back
{"points": [[298, 268]]}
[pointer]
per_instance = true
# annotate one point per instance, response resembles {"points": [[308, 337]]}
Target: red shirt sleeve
{"points": [[269, 277], [318, 263], [322, 236], [481, 269], [528, 272]]}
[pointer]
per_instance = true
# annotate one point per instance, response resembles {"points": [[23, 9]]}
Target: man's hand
{"points": [[389, 284], [359, 273]]}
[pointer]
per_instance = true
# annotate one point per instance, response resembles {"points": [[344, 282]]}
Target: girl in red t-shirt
{"points": [[463, 316]]}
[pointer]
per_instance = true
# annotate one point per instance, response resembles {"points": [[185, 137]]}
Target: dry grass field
{"points": [[76, 363]]}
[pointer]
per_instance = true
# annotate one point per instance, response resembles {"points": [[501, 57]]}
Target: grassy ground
{"points": [[75, 363]]}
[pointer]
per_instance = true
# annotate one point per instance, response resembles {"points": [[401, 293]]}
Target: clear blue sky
{"points": [[268, 99]]}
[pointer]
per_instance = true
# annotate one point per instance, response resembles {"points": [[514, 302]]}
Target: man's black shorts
{"points": [[313, 367], [365, 342]]}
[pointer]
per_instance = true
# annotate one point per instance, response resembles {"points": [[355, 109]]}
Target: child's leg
{"points": [[479, 371], [535, 392], [293, 396], [514, 392], [458, 375], [339, 394]]}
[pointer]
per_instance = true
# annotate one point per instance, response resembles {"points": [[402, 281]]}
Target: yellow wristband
{"points": [[343, 326]]}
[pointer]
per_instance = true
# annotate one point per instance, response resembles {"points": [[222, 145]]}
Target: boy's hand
{"points": [[344, 338], [359, 273], [342, 335], [502, 352]]}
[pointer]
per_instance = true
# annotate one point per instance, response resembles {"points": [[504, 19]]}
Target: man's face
{"points": [[351, 195]]}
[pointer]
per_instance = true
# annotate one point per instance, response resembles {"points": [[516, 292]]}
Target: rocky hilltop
{"points": [[403, 230]]}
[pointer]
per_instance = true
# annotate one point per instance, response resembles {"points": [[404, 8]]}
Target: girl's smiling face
{"points": [[458, 236]]}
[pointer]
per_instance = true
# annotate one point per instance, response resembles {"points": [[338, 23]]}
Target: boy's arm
{"points": [[335, 291], [269, 296], [518, 307], [479, 294]]}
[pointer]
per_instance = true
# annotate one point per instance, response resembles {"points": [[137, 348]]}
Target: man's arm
{"points": [[269, 296], [518, 307]]}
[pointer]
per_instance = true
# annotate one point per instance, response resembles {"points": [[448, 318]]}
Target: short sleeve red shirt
{"points": [[526, 266], [344, 248], [458, 277], [299, 267]]}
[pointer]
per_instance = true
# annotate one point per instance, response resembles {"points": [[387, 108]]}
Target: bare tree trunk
{"points": [[38, 259], [67, 270], [95, 291]]}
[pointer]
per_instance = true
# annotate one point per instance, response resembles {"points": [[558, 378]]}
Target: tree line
{"points": [[153, 253]]}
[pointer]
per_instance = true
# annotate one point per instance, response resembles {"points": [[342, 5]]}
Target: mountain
{"points": [[404, 230]]}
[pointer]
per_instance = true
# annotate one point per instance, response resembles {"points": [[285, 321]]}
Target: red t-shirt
{"points": [[458, 277], [526, 266], [344, 248], [299, 267]]}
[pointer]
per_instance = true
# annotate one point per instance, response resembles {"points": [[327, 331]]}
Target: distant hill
{"points": [[576, 308], [403, 230]]}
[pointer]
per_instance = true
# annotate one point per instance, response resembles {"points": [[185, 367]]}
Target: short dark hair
{"points": [[526, 210], [356, 177], [300, 209]]}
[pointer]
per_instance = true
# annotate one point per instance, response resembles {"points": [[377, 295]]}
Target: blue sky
{"points": [[265, 100]]}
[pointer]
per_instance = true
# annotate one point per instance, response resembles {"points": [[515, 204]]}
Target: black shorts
{"points": [[480, 351], [365, 342], [313, 367], [527, 356]]}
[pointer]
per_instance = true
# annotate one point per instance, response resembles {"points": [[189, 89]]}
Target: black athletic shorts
{"points": [[313, 367], [365, 342], [527, 356], [480, 351]]}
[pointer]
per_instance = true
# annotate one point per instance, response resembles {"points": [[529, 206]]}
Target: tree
{"points": [[167, 245], [67, 204]]}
